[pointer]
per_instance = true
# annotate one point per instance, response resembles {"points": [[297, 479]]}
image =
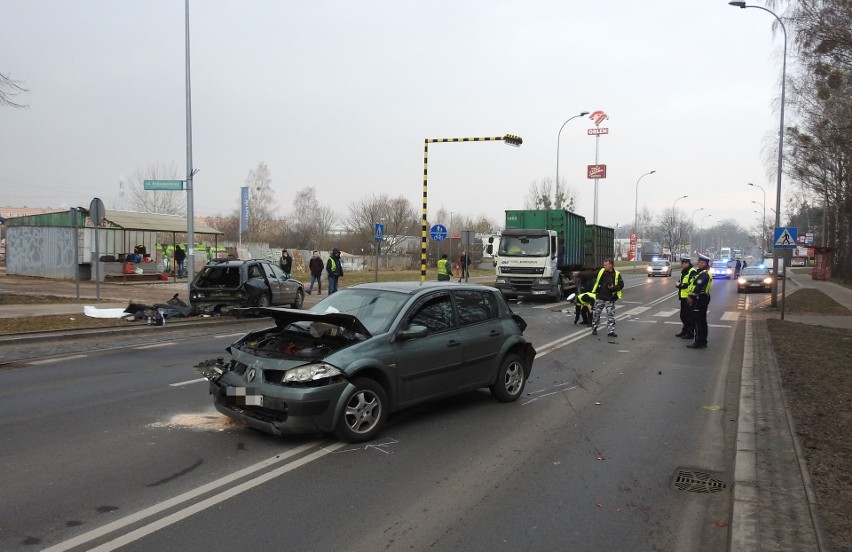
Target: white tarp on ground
{"points": [[95, 312]]}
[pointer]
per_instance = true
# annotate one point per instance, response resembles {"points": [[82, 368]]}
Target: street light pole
{"points": [[674, 220], [190, 172], [691, 224], [636, 218], [762, 223], [743, 5], [558, 136]]}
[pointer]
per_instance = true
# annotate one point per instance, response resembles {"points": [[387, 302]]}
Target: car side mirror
{"points": [[413, 332]]}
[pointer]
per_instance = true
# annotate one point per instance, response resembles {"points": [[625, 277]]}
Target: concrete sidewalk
{"points": [[774, 503]]}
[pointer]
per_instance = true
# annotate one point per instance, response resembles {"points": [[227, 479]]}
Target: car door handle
{"points": [[453, 343], [494, 333]]}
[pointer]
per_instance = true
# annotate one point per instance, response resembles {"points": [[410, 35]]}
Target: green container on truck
{"points": [[540, 248]]}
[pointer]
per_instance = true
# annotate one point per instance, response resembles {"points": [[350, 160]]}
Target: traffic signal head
{"points": [[513, 140]]}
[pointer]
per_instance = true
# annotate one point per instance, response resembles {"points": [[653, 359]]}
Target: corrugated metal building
{"points": [[44, 245]]}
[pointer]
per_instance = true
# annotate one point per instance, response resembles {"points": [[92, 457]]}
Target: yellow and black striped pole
{"points": [[509, 139]]}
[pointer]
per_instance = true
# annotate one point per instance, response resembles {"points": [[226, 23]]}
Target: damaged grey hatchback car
{"points": [[366, 351]]}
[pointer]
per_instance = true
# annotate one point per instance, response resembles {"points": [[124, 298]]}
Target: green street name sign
{"points": [[162, 184]]}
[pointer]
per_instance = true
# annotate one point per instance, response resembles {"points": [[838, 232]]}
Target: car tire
{"points": [[365, 410], [510, 379], [262, 301], [300, 299]]}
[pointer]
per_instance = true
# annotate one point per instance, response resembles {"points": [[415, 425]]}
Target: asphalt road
{"points": [[118, 445]]}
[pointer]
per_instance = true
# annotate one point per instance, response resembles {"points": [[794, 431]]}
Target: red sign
{"points": [[593, 131], [596, 171]]}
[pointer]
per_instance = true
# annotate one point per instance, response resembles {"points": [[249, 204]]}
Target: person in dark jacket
{"points": [[286, 263], [607, 290], [334, 269], [315, 265], [180, 261]]}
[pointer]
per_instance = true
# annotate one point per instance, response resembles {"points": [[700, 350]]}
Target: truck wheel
{"points": [[560, 293]]}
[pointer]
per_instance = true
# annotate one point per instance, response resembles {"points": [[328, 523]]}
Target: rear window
{"points": [[219, 276], [476, 306]]}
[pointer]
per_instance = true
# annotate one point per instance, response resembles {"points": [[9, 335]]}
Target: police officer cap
{"points": [[572, 297], [704, 258], [685, 260]]}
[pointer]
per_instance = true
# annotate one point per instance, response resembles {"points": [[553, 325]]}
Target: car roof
{"points": [[414, 286], [234, 262]]}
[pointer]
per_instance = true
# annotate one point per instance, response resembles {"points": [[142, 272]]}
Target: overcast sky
{"points": [[340, 95]]}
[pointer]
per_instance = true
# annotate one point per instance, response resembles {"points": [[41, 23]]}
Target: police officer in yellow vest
{"points": [[607, 290], [334, 268], [687, 275], [583, 304], [445, 271], [699, 298]]}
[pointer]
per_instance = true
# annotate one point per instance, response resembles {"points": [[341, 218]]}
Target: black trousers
{"points": [[686, 317], [582, 312], [699, 317]]}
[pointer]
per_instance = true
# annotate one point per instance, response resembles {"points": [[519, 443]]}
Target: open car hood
{"points": [[283, 317]]}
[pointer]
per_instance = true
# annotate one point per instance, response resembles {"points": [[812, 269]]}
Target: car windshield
{"points": [[720, 264], [375, 308], [752, 270], [659, 264], [522, 246]]}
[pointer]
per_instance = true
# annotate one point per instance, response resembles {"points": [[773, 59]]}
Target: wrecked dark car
{"points": [[369, 350], [225, 284]]}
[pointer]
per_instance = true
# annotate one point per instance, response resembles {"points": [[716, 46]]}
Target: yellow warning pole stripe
{"points": [[424, 229]]}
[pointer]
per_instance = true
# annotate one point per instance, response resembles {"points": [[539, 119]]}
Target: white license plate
{"points": [[245, 396], [539, 292]]}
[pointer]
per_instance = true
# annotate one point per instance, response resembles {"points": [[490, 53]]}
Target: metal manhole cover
{"points": [[697, 481]]}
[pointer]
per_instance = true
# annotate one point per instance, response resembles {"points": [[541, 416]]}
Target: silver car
{"points": [[369, 350]]}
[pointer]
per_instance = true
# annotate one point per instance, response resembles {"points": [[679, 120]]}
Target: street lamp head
{"points": [[652, 172], [583, 113], [512, 140], [738, 4]]}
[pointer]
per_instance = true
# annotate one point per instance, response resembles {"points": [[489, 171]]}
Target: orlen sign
{"points": [[596, 171]]}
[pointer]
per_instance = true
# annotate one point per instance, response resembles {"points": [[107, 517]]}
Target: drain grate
{"points": [[697, 481]]}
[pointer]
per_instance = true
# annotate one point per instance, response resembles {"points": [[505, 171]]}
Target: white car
{"points": [[660, 268]]}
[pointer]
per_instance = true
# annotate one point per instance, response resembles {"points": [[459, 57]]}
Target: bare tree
{"points": [[263, 225], [9, 88], [164, 202], [401, 220], [544, 194], [310, 224]]}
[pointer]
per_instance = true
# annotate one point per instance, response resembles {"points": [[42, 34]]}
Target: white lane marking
{"points": [[731, 315], [178, 384], [636, 311], [717, 326], [60, 359], [155, 345], [189, 495], [212, 501], [651, 322], [667, 313], [673, 322], [223, 336]]}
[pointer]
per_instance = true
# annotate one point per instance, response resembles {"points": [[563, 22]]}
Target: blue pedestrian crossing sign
{"points": [[379, 232], [785, 237], [438, 232]]}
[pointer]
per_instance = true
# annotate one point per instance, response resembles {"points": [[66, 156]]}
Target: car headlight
{"points": [[741, 281], [500, 281], [310, 372], [650, 269], [767, 281]]}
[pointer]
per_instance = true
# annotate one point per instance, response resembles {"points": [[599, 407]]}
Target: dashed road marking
{"points": [[59, 359], [178, 384]]}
